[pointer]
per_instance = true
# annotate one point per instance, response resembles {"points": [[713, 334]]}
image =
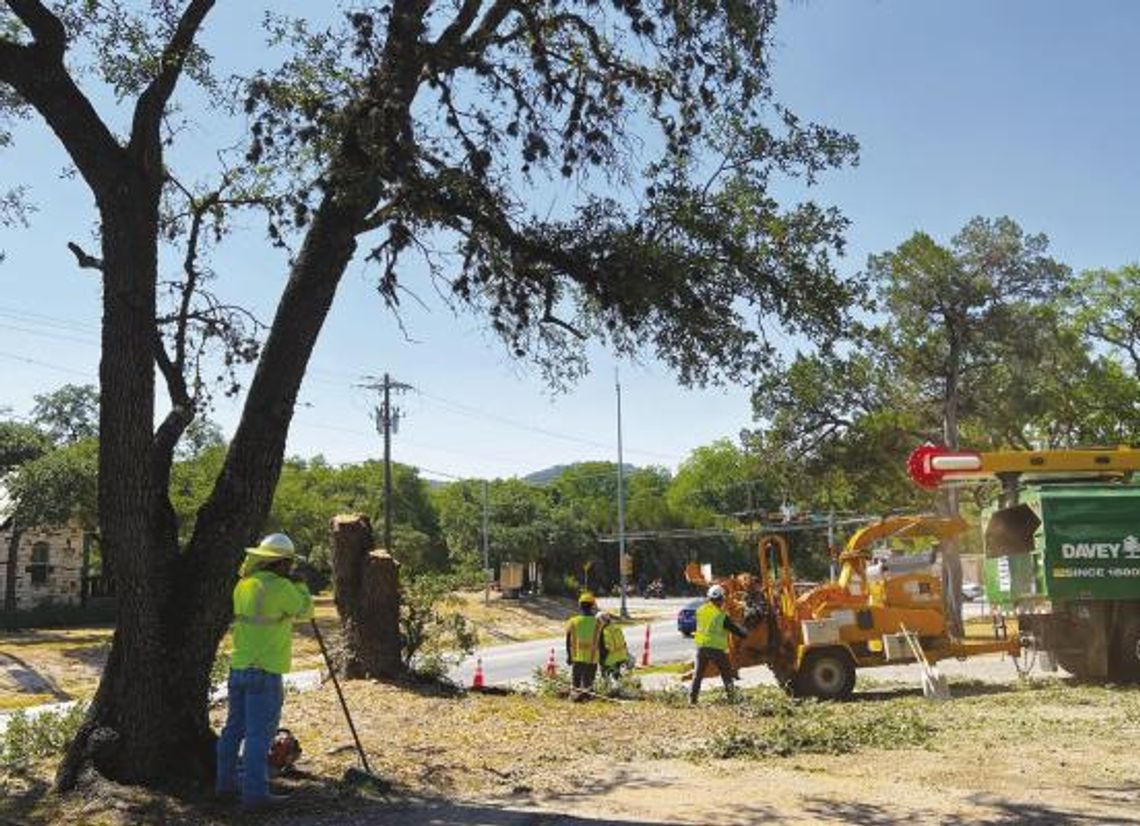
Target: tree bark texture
{"points": [[367, 587]]}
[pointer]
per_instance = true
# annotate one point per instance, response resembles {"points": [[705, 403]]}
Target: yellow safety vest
{"points": [[583, 638], [614, 638], [265, 607], [711, 632]]}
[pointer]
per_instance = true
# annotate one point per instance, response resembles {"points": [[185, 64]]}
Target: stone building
{"points": [[48, 566]]}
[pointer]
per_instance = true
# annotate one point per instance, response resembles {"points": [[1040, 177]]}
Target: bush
{"points": [[432, 640], [52, 615], [44, 735], [220, 670]]}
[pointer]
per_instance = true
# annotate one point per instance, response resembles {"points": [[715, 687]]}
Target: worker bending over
{"points": [[713, 625], [584, 647], [613, 640], [266, 604]]}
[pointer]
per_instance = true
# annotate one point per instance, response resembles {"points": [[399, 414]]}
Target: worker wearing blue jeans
{"points": [[266, 604], [255, 700]]}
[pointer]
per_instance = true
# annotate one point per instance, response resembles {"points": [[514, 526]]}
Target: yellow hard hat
{"points": [[586, 598], [274, 546]]}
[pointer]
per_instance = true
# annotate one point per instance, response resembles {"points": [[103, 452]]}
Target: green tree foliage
{"points": [[719, 480], [411, 126], [1105, 305], [59, 485], [70, 413], [20, 443], [977, 341], [960, 310]]}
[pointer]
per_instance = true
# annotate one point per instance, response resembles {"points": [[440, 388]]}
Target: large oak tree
{"points": [[408, 128]]}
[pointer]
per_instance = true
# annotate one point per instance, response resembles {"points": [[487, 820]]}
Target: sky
{"points": [[1024, 108]]}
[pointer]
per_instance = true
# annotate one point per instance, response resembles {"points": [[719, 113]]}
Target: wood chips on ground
{"points": [[1055, 752]]}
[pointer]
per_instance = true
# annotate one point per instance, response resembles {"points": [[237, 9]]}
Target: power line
{"points": [[554, 434], [47, 334], [49, 365]]}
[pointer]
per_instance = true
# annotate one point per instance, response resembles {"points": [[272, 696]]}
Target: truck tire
{"points": [[828, 674], [1125, 654]]}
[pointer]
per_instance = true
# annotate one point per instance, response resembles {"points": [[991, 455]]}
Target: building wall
{"points": [[58, 581]]}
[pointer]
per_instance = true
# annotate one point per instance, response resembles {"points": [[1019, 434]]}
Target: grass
{"points": [[15, 701], [778, 726], [666, 668]]}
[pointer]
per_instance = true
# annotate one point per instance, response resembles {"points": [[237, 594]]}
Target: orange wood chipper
{"points": [[877, 612]]}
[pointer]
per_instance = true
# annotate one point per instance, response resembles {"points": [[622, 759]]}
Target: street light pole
{"points": [[387, 463], [621, 504]]}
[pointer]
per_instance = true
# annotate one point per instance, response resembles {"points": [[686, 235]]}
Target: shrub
{"points": [[44, 735], [53, 615], [431, 639]]}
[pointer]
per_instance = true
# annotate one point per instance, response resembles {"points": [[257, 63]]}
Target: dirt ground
{"points": [[1046, 752]]}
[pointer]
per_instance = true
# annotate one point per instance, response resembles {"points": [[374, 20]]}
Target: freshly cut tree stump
{"points": [[366, 580]]}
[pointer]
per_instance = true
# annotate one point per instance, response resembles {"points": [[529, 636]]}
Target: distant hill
{"points": [[550, 474]]}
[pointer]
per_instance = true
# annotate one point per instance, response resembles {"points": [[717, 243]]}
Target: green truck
{"points": [[1064, 557]]}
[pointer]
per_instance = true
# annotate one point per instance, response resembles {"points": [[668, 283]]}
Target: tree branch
{"points": [[40, 78], [85, 260], [46, 28], [152, 102]]}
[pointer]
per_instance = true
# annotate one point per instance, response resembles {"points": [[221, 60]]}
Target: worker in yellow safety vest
{"points": [[713, 626], [584, 646], [617, 652], [268, 598]]}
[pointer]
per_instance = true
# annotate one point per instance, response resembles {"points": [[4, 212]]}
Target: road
{"points": [[505, 664], [515, 662]]}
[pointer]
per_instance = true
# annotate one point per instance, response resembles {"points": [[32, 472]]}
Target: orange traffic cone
{"points": [[645, 649], [477, 682], [551, 666]]}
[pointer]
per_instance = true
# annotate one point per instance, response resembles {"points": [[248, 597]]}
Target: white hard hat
{"points": [[716, 592], [274, 546]]}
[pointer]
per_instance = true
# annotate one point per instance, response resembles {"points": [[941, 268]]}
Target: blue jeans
{"points": [[255, 699]]}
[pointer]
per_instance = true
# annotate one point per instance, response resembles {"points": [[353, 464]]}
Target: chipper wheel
{"points": [[828, 674]]}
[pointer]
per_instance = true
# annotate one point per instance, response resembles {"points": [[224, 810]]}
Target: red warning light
{"points": [[929, 465]]}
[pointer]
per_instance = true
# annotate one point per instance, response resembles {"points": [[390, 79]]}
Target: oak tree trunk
{"points": [[367, 587], [148, 722]]}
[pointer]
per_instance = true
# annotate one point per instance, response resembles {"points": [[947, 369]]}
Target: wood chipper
{"points": [[877, 612]]}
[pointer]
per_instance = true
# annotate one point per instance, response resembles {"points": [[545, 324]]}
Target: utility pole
{"points": [[486, 555], [621, 504], [387, 423]]}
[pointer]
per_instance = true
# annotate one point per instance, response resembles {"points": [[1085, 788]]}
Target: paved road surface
{"points": [[504, 664], [514, 662]]}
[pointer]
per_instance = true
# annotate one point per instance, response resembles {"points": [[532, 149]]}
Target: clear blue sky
{"points": [[1024, 108]]}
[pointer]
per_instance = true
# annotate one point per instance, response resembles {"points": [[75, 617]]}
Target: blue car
{"points": [[687, 618]]}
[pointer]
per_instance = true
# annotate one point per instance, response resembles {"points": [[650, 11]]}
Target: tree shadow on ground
{"points": [[995, 811], [28, 678], [92, 656], [546, 607], [592, 789], [19, 795]]}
